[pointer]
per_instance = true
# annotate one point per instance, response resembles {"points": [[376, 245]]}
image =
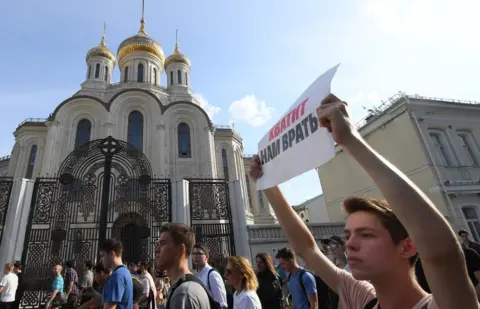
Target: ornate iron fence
{"points": [[6, 184], [211, 218], [105, 190]]}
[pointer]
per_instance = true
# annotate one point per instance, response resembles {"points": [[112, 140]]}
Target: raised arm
{"points": [[297, 232], [441, 254]]}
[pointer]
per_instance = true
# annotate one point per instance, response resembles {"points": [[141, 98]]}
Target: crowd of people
{"points": [[398, 253]]}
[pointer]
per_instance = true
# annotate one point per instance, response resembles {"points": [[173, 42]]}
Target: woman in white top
{"points": [[242, 278]]}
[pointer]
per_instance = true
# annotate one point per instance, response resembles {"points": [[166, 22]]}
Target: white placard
{"points": [[296, 144]]}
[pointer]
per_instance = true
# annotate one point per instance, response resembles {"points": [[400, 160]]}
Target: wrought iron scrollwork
{"points": [[6, 184], [210, 214], [66, 223]]}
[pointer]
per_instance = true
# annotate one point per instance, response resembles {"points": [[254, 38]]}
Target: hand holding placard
{"points": [[297, 144]]}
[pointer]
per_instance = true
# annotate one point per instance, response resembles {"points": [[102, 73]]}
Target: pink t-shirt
{"points": [[355, 294]]}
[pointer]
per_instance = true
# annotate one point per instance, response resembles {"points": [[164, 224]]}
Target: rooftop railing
{"points": [[32, 120], [378, 110]]}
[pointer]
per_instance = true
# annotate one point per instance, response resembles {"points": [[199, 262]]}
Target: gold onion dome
{"points": [[101, 51], [140, 42], [177, 56]]}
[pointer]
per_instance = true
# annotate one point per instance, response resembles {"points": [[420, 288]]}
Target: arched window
{"points": [[171, 77], [184, 149], [105, 77], [186, 78], [179, 75], [97, 70], [225, 164], [125, 75], [154, 76], [140, 73], [135, 129], [31, 162], [89, 71], [84, 128]]}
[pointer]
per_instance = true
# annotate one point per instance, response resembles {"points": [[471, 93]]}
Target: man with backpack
{"points": [[209, 276], [301, 283], [171, 254]]}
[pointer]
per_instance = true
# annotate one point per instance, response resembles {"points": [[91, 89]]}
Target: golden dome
{"points": [[140, 42], [101, 51], [177, 56]]}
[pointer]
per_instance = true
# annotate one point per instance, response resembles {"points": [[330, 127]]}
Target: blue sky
{"points": [[255, 56]]}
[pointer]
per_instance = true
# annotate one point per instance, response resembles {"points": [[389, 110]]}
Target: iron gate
{"points": [[6, 184], [211, 218], [105, 190]]}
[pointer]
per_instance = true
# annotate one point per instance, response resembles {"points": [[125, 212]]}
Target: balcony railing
{"points": [[460, 175], [5, 158], [273, 232]]}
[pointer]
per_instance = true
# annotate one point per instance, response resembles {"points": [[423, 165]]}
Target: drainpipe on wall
{"points": [[432, 162]]}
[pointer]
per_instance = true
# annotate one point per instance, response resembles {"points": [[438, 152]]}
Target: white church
{"points": [[165, 122]]}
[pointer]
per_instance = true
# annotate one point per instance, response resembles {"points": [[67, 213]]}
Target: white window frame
{"points": [[469, 146], [472, 223], [442, 148]]}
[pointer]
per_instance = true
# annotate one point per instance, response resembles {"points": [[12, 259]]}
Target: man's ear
{"points": [[408, 249]]}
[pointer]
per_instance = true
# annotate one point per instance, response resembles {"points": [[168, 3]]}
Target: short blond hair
{"points": [[9, 267], [242, 265]]}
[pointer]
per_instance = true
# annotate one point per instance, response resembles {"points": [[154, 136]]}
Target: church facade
{"points": [[120, 159], [165, 122]]}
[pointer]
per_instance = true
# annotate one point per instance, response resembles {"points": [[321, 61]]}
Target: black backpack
{"points": [[327, 298], [192, 278]]}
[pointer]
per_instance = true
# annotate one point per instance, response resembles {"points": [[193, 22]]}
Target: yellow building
{"points": [[433, 141]]}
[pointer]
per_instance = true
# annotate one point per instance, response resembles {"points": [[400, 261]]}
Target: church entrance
{"points": [[132, 247], [105, 189], [132, 230]]}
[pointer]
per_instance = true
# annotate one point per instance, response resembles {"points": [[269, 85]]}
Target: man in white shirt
{"points": [[149, 296], [8, 287], [210, 277]]}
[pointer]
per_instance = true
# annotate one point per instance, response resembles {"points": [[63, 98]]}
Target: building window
{"points": [[89, 71], [31, 162], [247, 182], [105, 77], [179, 75], [473, 222], [135, 130], [154, 76], [97, 70], [140, 73], [184, 143], [260, 199], [440, 149], [186, 78], [468, 144], [125, 75], [225, 164], [84, 128], [171, 77]]}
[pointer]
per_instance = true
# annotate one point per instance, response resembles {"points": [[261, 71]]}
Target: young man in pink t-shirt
{"points": [[383, 238]]}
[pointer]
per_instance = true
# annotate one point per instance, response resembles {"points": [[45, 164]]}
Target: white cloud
{"points": [[252, 110], [210, 109], [422, 19]]}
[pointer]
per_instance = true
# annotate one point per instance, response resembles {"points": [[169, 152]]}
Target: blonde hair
{"points": [[9, 267], [242, 265]]}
